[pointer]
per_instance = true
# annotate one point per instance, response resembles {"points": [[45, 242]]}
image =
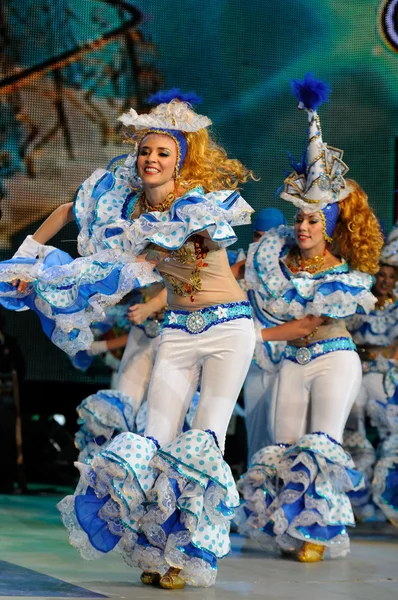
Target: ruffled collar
{"points": [[131, 201]]}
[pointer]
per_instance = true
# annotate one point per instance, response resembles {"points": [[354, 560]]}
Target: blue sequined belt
{"points": [[305, 354], [200, 320], [151, 327]]}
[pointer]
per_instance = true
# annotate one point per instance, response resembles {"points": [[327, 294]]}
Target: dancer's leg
{"points": [[226, 352], [174, 381], [136, 366], [335, 385], [292, 402]]}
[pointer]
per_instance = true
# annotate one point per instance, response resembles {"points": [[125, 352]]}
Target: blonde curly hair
{"points": [[206, 163], [358, 237]]}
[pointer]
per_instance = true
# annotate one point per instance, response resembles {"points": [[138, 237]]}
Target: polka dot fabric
{"points": [[318, 509], [105, 201], [259, 488], [378, 328], [181, 498], [197, 459], [336, 293]]}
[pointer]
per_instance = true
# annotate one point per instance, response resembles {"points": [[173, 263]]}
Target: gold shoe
{"points": [[150, 578], [311, 553], [171, 580]]}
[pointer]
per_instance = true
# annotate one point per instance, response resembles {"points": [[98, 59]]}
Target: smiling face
{"points": [[157, 159], [308, 229], [385, 281]]}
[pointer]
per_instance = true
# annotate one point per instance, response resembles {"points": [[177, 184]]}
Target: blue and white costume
{"points": [[317, 507], [166, 500], [321, 373], [68, 295], [375, 334]]}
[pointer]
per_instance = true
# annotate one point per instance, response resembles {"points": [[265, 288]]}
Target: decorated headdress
{"points": [[317, 182], [173, 116]]}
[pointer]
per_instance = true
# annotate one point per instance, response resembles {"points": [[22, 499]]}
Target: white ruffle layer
{"points": [[336, 293], [122, 471], [100, 417], [387, 463], [378, 328], [105, 201], [138, 479]]}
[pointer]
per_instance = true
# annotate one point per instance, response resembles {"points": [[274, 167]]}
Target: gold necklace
{"points": [[382, 303], [296, 263], [162, 207]]}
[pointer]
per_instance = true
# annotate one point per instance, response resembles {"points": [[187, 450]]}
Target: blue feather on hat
{"points": [[311, 92], [164, 97]]}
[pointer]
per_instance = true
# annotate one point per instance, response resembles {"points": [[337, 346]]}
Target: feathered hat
{"points": [[317, 182]]}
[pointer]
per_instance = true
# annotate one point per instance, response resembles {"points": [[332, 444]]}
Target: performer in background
{"points": [[164, 500], [313, 277], [376, 337], [260, 387]]}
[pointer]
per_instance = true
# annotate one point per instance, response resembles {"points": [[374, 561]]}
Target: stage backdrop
{"points": [[68, 68]]}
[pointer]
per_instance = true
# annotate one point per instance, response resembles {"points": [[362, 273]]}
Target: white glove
{"points": [[99, 347], [29, 248]]}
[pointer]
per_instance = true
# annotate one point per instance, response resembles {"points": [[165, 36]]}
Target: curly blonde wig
{"points": [[206, 163], [358, 237]]}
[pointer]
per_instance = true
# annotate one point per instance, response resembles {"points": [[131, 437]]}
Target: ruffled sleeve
{"points": [[69, 295], [379, 328], [336, 293], [106, 198], [102, 207]]}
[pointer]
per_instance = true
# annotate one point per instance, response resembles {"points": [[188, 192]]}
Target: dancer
{"points": [[376, 337], [313, 277], [165, 500]]}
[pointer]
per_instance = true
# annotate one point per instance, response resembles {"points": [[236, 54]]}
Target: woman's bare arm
{"points": [[60, 217], [51, 226], [292, 330]]}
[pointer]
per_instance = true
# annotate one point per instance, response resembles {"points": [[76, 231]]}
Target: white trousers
{"points": [[317, 396], [137, 364], [217, 359], [260, 393]]}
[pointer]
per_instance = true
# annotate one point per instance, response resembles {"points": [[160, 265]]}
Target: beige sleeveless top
{"points": [[193, 284], [332, 328]]}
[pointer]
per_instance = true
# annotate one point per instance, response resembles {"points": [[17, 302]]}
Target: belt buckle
{"points": [[303, 356], [152, 329], [195, 322]]}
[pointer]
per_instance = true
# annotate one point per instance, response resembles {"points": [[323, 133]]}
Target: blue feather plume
{"points": [[311, 92], [164, 97], [299, 166]]}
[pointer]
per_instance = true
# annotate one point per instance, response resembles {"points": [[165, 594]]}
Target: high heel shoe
{"points": [[149, 578], [171, 580], [311, 553]]}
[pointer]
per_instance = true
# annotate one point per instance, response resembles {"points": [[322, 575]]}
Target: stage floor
{"points": [[36, 561]]}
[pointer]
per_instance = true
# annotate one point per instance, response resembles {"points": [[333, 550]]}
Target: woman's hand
{"points": [[138, 313], [293, 330], [21, 286], [152, 256]]}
